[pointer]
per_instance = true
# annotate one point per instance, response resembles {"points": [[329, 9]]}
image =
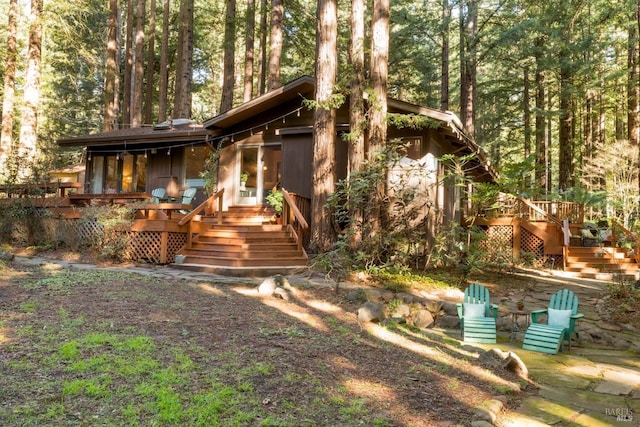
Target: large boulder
{"points": [[371, 312]]}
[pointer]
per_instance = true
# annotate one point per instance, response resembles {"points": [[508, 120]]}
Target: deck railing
{"points": [[210, 206], [537, 210], [291, 215]]}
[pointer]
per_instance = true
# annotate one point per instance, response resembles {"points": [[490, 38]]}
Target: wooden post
{"points": [[517, 236], [164, 243]]}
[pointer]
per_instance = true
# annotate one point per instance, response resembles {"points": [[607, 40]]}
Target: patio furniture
{"points": [[187, 198], [158, 194], [561, 321], [477, 315]]}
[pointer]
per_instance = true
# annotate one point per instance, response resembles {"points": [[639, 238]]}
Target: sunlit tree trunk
{"points": [[468, 47], [324, 136], [29, 121], [149, 87], [275, 44], [6, 138], [163, 77], [356, 99], [249, 50], [540, 130], [379, 76], [228, 79], [182, 94], [444, 78], [128, 66], [138, 70], [378, 105], [111, 70], [262, 70]]}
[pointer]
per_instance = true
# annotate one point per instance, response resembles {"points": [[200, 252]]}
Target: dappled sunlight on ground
{"points": [[205, 287]]}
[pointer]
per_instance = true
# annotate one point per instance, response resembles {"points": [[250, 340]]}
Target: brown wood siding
{"points": [[297, 157], [163, 169]]}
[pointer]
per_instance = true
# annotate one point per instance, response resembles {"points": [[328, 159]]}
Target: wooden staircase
{"points": [[245, 244], [600, 263]]}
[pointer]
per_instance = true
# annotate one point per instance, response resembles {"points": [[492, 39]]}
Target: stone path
{"points": [[596, 384]]}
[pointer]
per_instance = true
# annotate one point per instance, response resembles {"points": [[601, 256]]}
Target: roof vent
{"points": [[168, 124]]}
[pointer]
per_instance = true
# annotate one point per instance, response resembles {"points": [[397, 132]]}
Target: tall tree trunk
{"points": [[565, 131], [138, 71], [468, 58], [357, 119], [378, 110], [356, 100], [444, 74], [379, 75], [163, 78], [250, 29], [151, 65], [324, 136], [6, 138], [111, 70], [262, 71], [128, 67], [275, 44], [540, 131], [634, 88], [228, 79], [29, 121], [182, 94], [526, 112]]}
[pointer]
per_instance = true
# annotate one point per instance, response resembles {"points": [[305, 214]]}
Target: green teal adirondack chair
{"points": [[187, 198], [157, 195], [561, 322], [477, 315]]}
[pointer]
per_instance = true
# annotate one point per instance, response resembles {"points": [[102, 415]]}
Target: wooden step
{"points": [[244, 244], [600, 263]]}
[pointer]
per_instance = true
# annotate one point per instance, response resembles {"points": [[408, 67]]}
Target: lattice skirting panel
{"points": [[531, 243], [498, 242], [158, 247]]}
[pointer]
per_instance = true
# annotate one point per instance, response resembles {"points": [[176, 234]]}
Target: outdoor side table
{"points": [[520, 321]]}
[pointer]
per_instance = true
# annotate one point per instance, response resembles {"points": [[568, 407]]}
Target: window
{"points": [[118, 174], [413, 146], [194, 164]]}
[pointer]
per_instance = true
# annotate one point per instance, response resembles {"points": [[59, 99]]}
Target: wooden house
{"points": [[264, 143]]}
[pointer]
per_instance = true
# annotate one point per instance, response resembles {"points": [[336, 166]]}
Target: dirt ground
{"points": [[404, 376]]}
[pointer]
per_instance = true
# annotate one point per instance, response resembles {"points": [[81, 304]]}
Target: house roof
{"points": [[304, 87], [298, 88], [176, 131]]}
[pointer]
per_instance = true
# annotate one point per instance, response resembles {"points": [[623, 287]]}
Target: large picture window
{"points": [[194, 165], [112, 173]]}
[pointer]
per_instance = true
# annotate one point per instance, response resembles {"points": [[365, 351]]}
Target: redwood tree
{"points": [[6, 138], [324, 136]]}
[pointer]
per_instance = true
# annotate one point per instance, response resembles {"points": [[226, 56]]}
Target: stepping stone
{"points": [[619, 383]]}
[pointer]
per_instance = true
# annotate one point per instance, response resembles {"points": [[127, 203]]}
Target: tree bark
{"points": [[250, 29], [275, 51], [111, 70], [228, 77], [138, 70], [540, 134], [151, 66], [468, 58], [182, 94], [29, 121], [163, 78], [324, 168], [128, 67], [6, 138], [356, 100], [262, 71], [379, 75], [444, 73]]}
